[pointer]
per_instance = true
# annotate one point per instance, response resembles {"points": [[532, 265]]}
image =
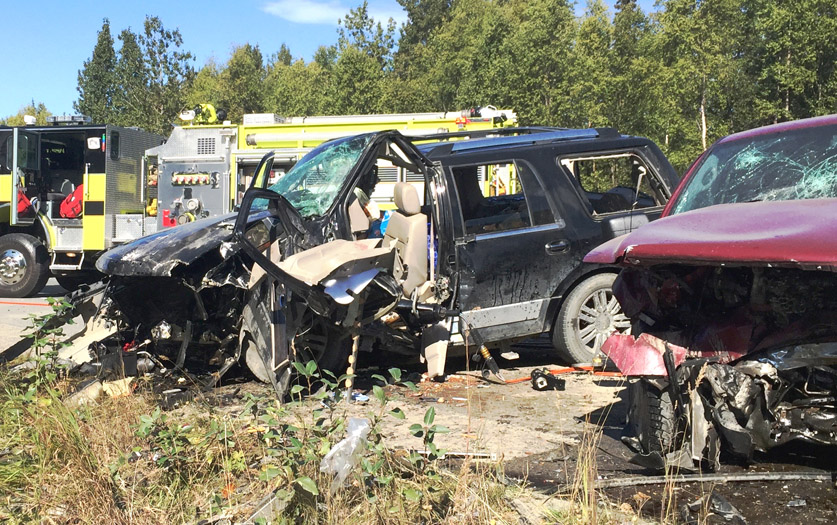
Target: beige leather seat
{"points": [[359, 220], [407, 232]]}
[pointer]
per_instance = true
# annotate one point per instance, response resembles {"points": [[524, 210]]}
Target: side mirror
{"points": [[262, 175]]}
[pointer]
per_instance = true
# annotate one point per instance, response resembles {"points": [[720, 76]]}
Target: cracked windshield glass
{"points": [[312, 185], [799, 164]]}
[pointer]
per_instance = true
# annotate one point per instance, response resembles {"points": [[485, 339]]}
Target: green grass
{"points": [[122, 460]]}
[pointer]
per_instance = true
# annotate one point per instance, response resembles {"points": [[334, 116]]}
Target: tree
{"points": [[794, 64], [703, 48], [144, 86], [537, 61], [206, 87], [363, 62], [96, 79], [633, 92], [241, 83], [423, 18], [464, 58], [359, 30], [39, 111], [590, 67], [298, 89], [283, 56], [131, 78], [170, 74]]}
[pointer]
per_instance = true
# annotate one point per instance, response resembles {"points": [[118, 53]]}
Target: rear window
{"points": [[796, 164]]}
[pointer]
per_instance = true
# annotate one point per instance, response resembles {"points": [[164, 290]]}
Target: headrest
{"points": [[406, 198]]}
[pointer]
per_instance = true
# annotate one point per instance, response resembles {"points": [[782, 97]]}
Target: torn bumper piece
{"points": [[641, 356]]}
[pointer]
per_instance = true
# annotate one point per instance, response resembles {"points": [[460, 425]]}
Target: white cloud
{"points": [[307, 11], [326, 12]]}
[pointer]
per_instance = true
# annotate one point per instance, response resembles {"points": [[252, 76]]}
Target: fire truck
{"points": [[203, 169], [68, 192]]}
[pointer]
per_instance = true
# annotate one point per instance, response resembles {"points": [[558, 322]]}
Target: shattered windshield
{"points": [[313, 183], [796, 164]]}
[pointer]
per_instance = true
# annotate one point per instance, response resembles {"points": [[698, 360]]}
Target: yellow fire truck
{"points": [[202, 169], [68, 192]]}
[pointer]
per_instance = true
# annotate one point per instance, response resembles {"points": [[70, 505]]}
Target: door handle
{"points": [[561, 246]]}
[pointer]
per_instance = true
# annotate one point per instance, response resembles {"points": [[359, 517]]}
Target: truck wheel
{"points": [[651, 418], [24, 265], [588, 316]]}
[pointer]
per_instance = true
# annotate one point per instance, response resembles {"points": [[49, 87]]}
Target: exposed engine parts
{"points": [[755, 358]]}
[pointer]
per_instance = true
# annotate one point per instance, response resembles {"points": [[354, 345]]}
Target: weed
{"points": [[122, 460]]}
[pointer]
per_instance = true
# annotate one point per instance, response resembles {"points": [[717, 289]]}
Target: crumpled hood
{"points": [[801, 233], [159, 253]]}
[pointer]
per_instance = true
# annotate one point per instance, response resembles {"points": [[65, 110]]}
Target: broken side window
{"points": [[492, 197], [613, 182]]}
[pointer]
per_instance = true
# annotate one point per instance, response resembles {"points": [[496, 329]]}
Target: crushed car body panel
{"points": [[158, 254], [642, 355]]}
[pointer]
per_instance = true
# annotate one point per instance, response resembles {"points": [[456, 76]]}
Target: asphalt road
{"points": [[14, 313]]}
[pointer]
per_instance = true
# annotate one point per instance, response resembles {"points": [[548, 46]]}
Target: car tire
{"points": [[24, 265], [324, 343], [588, 315], [651, 417]]}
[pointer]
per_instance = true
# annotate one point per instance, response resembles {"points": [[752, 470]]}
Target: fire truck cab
{"points": [[68, 192]]}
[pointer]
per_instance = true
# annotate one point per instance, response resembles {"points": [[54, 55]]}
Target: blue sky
{"points": [[53, 38]]}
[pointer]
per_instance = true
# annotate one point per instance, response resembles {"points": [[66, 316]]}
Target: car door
{"points": [[327, 285], [512, 248]]}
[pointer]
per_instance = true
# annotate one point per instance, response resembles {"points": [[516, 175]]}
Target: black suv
{"points": [[526, 209], [483, 246]]}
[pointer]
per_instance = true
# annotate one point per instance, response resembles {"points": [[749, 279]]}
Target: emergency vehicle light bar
{"points": [[68, 119]]}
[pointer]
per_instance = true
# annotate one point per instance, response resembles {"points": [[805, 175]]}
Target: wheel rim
{"points": [[311, 341], [600, 316], [12, 267]]}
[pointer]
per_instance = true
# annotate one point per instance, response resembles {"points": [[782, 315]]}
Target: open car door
{"points": [[307, 300]]}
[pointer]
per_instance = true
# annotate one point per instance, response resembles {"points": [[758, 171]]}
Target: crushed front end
{"points": [[727, 358], [173, 301]]}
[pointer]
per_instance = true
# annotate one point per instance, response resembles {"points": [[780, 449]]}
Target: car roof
{"points": [[827, 120]]}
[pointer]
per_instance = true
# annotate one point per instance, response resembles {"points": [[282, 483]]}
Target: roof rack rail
{"points": [[542, 135], [482, 133]]}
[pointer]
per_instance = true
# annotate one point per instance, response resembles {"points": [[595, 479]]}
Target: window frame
{"points": [[582, 193], [539, 210]]}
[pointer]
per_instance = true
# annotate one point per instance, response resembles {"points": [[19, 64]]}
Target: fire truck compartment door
{"points": [[25, 158]]}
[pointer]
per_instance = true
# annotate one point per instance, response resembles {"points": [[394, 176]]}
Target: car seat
{"points": [[407, 232]]}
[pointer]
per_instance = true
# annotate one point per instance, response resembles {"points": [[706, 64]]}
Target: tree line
{"points": [[684, 75]]}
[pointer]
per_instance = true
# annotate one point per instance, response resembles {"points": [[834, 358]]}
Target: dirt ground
{"points": [[537, 434]]}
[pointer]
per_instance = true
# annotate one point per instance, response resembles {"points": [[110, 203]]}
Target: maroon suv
{"points": [[733, 301]]}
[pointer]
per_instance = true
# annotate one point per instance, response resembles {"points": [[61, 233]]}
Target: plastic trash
{"points": [[344, 456], [357, 397]]}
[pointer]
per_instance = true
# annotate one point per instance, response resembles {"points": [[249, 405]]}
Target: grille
{"points": [[388, 174], [206, 146]]}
